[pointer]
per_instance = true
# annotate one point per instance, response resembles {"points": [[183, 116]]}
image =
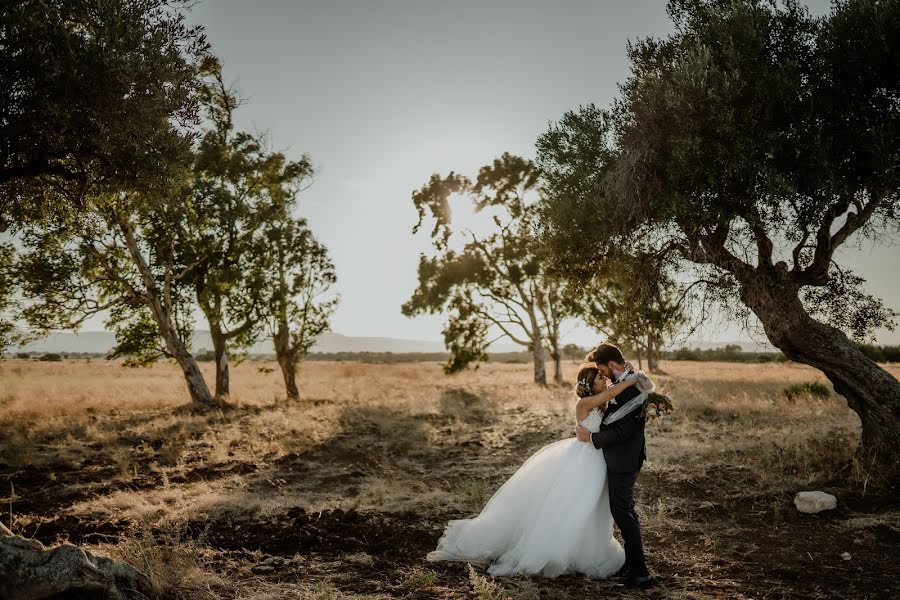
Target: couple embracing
{"points": [[555, 514]]}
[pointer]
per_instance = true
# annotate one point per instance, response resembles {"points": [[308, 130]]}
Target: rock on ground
{"points": [[813, 502]]}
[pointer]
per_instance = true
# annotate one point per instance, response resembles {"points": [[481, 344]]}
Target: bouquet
{"points": [[657, 405]]}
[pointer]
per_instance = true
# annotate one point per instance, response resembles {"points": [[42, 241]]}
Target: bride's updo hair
{"points": [[587, 373]]}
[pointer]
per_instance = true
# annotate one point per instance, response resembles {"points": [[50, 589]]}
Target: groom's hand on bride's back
{"points": [[582, 434]]}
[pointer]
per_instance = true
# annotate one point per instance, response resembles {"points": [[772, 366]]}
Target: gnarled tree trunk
{"points": [[872, 392], [29, 571]]}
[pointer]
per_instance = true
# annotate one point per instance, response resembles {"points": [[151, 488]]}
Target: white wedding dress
{"points": [[551, 517]]}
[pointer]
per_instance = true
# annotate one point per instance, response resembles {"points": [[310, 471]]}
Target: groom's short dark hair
{"points": [[605, 353]]}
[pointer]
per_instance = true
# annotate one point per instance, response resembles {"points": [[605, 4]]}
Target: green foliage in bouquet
{"points": [[657, 405]]}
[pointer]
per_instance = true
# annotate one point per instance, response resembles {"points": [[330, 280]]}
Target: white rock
{"points": [[846, 556], [813, 502]]}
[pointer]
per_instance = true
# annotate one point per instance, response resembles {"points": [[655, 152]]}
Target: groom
{"points": [[623, 448]]}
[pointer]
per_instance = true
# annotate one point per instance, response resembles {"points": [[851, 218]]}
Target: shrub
{"points": [[173, 565], [807, 389], [484, 588], [728, 353], [420, 579], [51, 356], [204, 355], [881, 353]]}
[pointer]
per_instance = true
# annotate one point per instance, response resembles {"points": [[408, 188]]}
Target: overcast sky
{"points": [[383, 93]]}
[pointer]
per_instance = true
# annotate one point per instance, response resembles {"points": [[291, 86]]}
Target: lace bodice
{"points": [[593, 420]]}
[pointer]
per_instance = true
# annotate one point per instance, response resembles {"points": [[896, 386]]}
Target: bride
{"points": [[552, 516]]}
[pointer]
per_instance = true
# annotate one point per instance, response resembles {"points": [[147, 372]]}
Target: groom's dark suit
{"points": [[624, 450]]}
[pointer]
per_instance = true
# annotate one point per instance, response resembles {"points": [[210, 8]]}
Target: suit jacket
{"points": [[622, 441]]}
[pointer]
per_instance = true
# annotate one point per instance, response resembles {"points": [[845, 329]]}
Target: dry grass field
{"points": [[341, 494]]}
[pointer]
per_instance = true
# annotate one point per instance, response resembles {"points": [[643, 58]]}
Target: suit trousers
{"points": [[621, 504]]}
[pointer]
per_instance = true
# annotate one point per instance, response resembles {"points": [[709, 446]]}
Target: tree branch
{"points": [[112, 274], [826, 242], [709, 248], [500, 324]]}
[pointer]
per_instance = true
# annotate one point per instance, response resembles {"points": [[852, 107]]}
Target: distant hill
{"points": [[97, 342]]}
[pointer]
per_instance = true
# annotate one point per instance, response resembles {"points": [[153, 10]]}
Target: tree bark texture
{"points": [[158, 300], [220, 350], [30, 571], [652, 352], [196, 384], [540, 370], [287, 360]]}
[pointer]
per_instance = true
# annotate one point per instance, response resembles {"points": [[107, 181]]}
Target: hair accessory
{"points": [[584, 388]]}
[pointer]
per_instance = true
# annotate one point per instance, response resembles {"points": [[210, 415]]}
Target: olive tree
{"points": [[93, 94], [748, 147]]}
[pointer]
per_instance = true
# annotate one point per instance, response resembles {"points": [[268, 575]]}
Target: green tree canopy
{"points": [[7, 296], [120, 255], [633, 305], [299, 301], [239, 188], [93, 94], [747, 147], [492, 281]]}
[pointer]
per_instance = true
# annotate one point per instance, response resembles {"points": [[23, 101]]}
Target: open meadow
{"points": [[341, 494]]}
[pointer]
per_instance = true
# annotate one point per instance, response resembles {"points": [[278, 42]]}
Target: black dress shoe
{"points": [[645, 582], [623, 573]]}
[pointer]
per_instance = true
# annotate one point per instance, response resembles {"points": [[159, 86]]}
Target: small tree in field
{"points": [[635, 310], [748, 147], [573, 352], [120, 256], [496, 280], [298, 279], [231, 206]]}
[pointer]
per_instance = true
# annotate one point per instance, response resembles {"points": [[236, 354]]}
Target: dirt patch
{"points": [[761, 545], [329, 532], [47, 490]]}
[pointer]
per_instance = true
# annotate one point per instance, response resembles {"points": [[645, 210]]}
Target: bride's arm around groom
{"points": [[621, 429]]}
